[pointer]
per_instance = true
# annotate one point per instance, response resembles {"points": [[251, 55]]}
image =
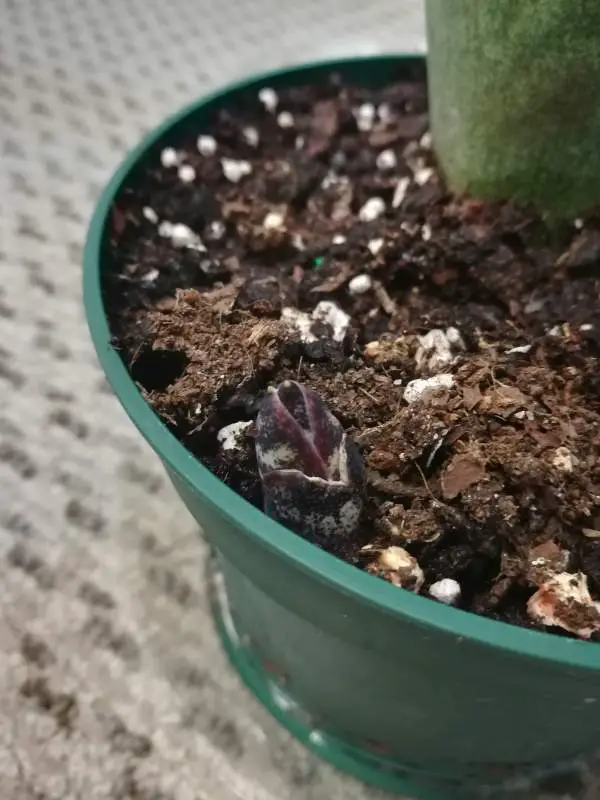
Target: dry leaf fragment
{"points": [[463, 471]]}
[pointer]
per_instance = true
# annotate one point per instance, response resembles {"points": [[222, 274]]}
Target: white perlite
{"points": [[234, 170], [386, 160], [400, 192], [169, 157], [186, 173], [331, 314], [150, 214], [446, 590], [299, 321], [268, 97], [372, 209], [217, 229], [165, 229], [273, 221], [416, 389], [375, 246], [285, 119], [425, 141], [207, 145], [365, 117], [385, 113], [326, 312], [298, 241], [229, 437], [564, 601], [522, 348], [563, 459], [251, 136], [360, 284], [423, 175], [338, 238], [182, 236], [150, 276], [438, 348]]}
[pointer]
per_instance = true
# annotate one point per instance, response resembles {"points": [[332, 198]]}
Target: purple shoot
{"points": [[312, 474]]}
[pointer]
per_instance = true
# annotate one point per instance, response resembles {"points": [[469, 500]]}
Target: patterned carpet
{"points": [[112, 683]]}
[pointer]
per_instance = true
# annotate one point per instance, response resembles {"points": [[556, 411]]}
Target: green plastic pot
{"points": [[399, 690]]}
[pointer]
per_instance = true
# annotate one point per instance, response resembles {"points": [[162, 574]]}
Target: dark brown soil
{"points": [[470, 478]]}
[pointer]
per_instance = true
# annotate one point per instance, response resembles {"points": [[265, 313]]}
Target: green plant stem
{"points": [[515, 100]]}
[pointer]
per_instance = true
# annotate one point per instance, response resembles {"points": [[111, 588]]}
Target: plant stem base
{"points": [[382, 773]]}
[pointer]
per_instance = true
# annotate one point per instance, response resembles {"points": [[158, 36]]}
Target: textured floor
{"points": [[112, 684]]}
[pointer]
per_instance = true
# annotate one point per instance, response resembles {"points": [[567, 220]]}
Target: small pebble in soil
{"points": [[425, 141], [360, 284], [269, 98], [207, 145], [150, 214], [417, 389], [563, 459], [234, 169], [375, 246], [446, 590], [400, 568], [386, 160], [274, 220], [186, 173], [564, 601], [400, 192], [372, 209], [426, 232], [438, 348], [586, 327], [285, 119], [365, 117], [338, 238], [230, 437], [251, 136], [169, 157]]}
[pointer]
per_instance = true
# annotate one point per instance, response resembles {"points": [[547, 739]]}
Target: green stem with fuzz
{"points": [[515, 100]]}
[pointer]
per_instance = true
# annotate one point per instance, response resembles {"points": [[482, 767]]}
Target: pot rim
{"points": [[347, 579]]}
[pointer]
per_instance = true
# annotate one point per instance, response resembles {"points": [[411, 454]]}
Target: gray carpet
{"points": [[112, 683]]}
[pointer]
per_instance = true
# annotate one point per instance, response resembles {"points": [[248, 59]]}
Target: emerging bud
{"points": [[312, 474]]}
